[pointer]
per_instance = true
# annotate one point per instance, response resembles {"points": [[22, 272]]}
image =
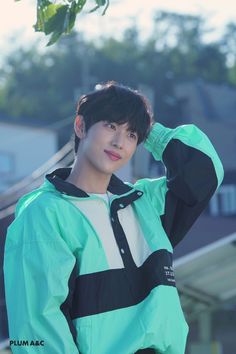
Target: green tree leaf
{"points": [[59, 18]]}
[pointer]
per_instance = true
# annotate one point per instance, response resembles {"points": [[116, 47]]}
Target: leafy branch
{"points": [[57, 17]]}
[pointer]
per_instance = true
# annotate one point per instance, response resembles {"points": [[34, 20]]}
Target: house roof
{"points": [[214, 101], [37, 124], [206, 230], [205, 277]]}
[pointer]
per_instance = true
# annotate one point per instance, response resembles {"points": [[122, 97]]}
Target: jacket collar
{"points": [[57, 178]]}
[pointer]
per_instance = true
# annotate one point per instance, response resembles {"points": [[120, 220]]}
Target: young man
{"points": [[88, 259]]}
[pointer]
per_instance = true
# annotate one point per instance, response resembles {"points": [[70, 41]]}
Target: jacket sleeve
{"points": [[38, 266], [193, 173]]}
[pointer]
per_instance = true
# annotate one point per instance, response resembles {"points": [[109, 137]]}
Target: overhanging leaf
{"points": [[72, 16], [107, 5], [94, 9], [55, 36], [53, 19], [59, 18], [79, 5], [100, 2]]}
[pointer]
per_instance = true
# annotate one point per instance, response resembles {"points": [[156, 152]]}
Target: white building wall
{"points": [[22, 150]]}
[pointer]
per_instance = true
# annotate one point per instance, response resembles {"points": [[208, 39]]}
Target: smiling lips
{"points": [[112, 155]]}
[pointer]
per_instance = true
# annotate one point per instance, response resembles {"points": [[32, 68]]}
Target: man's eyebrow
{"points": [[132, 130]]}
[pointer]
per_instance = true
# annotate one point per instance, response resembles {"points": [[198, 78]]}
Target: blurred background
{"points": [[182, 56]]}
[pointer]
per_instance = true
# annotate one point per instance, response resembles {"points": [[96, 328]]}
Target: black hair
{"points": [[116, 103]]}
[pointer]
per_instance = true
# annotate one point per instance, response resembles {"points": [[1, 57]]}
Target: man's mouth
{"points": [[112, 155]]}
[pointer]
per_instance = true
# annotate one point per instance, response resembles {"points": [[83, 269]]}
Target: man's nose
{"points": [[118, 140]]}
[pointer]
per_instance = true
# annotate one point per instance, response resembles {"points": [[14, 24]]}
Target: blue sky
{"points": [[17, 18]]}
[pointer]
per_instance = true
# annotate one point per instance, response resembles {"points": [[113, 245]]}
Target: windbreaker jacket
{"points": [[89, 277]]}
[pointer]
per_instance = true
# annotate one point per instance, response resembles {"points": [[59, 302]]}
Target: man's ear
{"points": [[79, 126]]}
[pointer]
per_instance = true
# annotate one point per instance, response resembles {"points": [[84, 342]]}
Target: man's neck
{"points": [[89, 181]]}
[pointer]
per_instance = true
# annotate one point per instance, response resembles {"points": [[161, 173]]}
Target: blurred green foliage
{"points": [[45, 86]]}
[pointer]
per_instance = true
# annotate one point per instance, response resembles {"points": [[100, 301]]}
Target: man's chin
{"points": [[110, 168], [109, 171]]}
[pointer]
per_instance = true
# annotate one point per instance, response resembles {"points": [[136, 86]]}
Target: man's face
{"points": [[105, 136]]}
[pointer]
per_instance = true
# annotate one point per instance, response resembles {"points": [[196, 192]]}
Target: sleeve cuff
{"points": [[157, 140]]}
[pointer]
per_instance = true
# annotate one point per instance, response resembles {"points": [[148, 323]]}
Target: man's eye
{"points": [[134, 136], [111, 125]]}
